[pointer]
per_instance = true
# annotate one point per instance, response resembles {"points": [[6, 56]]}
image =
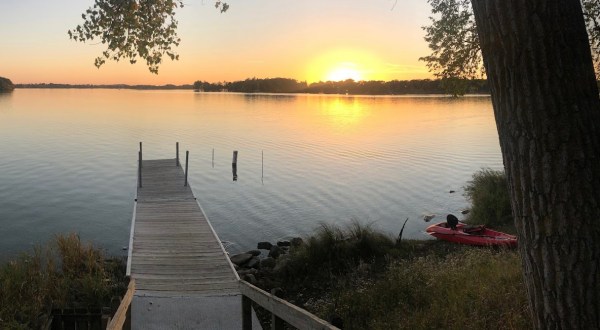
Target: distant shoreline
{"points": [[291, 86]]}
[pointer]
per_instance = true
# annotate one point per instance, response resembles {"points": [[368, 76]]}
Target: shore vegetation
{"points": [[65, 273]]}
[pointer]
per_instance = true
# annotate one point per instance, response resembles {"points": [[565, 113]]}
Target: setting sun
{"points": [[344, 71], [343, 64]]}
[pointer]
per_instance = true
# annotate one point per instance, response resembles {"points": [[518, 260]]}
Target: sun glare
{"points": [[344, 71], [343, 64]]}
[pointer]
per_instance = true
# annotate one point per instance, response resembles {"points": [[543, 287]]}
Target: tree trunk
{"points": [[547, 110]]}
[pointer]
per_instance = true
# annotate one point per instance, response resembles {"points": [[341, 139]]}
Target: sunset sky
{"points": [[308, 40]]}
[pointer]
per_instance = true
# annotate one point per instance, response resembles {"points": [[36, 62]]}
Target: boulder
{"points": [[297, 241], [275, 252], [240, 259], [255, 253], [281, 263], [284, 243], [249, 278], [264, 245], [243, 272], [253, 263], [268, 262]]}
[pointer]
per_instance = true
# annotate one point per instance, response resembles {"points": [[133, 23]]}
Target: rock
{"points": [[428, 217], [465, 211], [281, 263], [275, 252], [240, 259], [297, 241], [268, 262], [264, 245], [284, 243], [253, 263], [452, 191], [249, 278], [255, 253], [243, 272]]}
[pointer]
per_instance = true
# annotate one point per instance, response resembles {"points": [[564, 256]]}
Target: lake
{"points": [[69, 161]]}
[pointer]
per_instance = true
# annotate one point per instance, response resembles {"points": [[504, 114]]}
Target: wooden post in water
{"points": [[140, 169], [187, 158], [140, 154], [177, 154], [234, 165]]}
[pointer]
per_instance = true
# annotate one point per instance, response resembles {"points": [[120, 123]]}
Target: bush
{"points": [[488, 193]]}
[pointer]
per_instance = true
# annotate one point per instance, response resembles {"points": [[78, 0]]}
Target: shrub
{"points": [[488, 193]]}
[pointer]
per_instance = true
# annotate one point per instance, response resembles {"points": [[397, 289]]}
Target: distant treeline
{"points": [[286, 85], [373, 87], [114, 86]]}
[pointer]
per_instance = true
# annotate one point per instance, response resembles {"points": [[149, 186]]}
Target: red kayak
{"points": [[471, 235]]}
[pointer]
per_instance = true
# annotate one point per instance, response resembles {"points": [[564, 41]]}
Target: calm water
{"points": [[68, 160]]}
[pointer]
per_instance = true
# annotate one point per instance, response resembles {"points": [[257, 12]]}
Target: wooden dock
{"points": [[183, 277]]}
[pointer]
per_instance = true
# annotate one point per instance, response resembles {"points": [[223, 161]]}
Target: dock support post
{"points": [[140, 154], [140, 168], [177, 154], [187, 158], [234, 165], [246, 313]]}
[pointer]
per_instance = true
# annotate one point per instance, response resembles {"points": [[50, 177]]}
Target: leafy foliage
{"points": [[133, 29], [453, 40], [454, 43], [6, 85]]}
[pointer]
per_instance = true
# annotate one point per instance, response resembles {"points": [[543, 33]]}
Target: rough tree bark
{"points": [[547, 111]]}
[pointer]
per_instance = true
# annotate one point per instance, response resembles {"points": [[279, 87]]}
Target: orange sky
{"points": [[302, 39]]}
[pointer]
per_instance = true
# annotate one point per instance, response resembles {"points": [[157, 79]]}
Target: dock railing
{"points": [[122, 317], [281, 310]]}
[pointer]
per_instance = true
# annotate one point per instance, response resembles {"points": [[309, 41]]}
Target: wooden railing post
{"points": [[122, 318], [177, 154], [246, 313], [282, 310], [187, 157], [140, 169]]}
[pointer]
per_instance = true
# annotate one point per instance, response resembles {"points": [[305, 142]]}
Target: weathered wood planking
{"points": [[183, 277]]}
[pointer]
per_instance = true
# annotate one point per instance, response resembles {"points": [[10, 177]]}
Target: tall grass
{"points": [[65, 273], [488, 193], [479, 289], [333, 250]]}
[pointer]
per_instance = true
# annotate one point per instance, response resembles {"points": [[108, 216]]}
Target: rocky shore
{"points": [[257, 266]]}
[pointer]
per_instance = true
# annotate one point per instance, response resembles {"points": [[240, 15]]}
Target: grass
{"points": [[333, 250], [479, 289], [361, 276], [63, 274], [488, 193]]}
